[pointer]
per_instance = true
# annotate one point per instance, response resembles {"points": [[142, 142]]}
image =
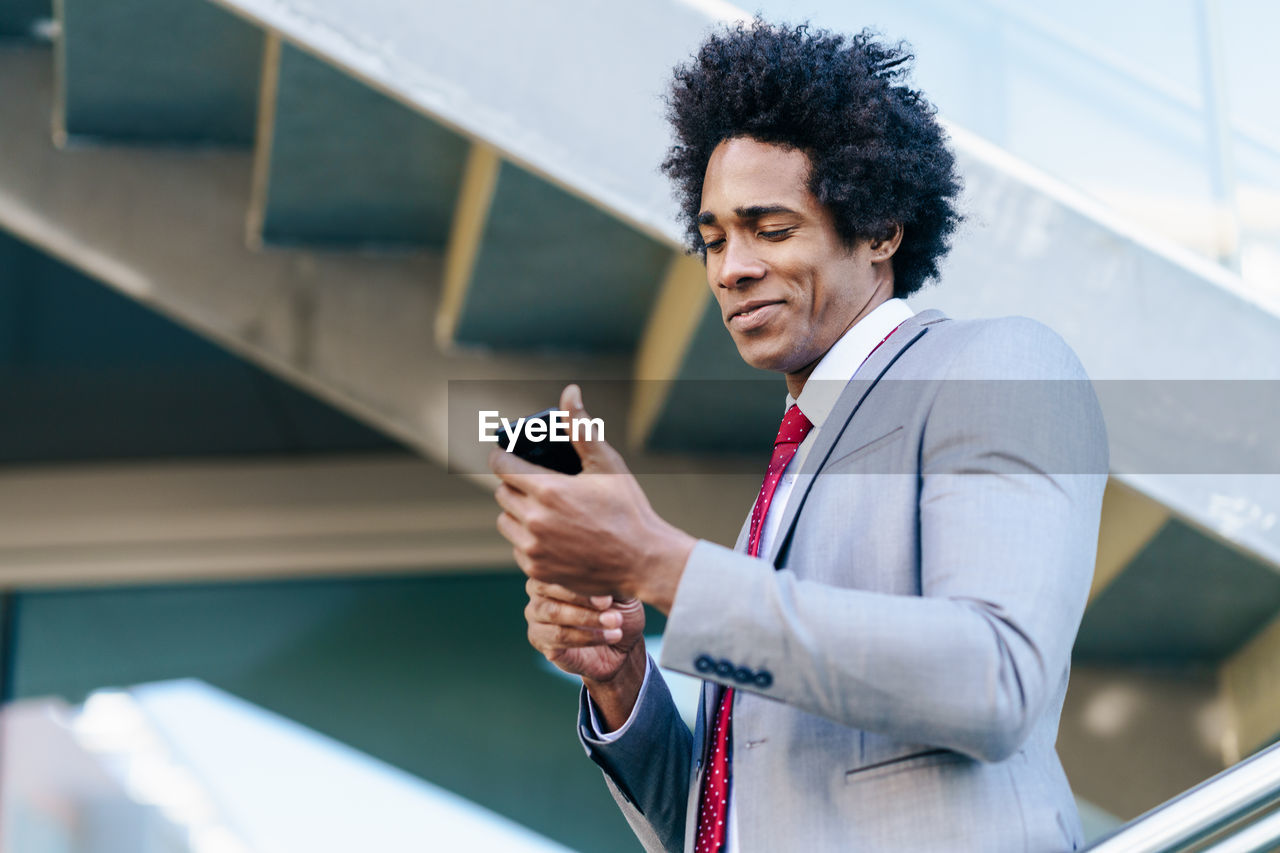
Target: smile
{"points": [[754, 316]]}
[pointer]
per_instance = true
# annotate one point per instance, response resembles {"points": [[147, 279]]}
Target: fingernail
{"points": [[611, 619], [602, 602], [577, 397], [612, 635]]}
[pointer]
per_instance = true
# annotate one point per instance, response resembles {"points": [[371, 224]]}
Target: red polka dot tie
{"points": [[713, 804]]}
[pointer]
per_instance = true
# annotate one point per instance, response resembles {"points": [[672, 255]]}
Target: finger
{"points": [[558, 573], [514, 532], [514, 502], [546, 589], [525, 563], [522, 475], [552, 637], [597, 454], [571, 402], [540, 570], [554, 612]]}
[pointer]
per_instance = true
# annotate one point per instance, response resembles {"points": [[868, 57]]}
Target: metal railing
{"points": [[1239, 793]]}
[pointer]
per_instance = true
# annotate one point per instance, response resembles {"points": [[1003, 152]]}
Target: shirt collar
{"points": [[826, 383]]}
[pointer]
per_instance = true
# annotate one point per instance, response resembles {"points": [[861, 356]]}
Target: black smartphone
{"points": [[556, 455]]}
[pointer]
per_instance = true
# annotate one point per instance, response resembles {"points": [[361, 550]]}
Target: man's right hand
{"points": [[595, 637]]}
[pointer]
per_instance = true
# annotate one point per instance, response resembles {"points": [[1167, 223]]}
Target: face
{"points": [[787, 286]]}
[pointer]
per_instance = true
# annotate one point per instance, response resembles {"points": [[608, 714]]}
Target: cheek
{"points": [[813, 297]]}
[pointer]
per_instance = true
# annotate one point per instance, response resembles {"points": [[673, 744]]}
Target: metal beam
{"points": [[268, 86], [163, 522], [667, 336], [471, 213]]}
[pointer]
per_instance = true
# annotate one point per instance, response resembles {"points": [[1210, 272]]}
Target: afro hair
{"points": [[878, 156]]}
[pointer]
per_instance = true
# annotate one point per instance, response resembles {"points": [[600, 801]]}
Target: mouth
{"points": [[753, 315]]}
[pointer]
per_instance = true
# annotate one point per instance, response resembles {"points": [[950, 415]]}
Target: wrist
{"points": [[666, 556], [630, 673], [615, 697]]}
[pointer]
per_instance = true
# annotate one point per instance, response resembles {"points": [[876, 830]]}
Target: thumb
{"points": [[588, 438]]}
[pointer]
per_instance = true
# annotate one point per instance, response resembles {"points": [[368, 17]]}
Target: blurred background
{"points": [[250, 250]]}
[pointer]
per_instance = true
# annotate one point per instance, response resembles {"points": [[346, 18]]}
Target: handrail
{"points": [[1194, 814], [1263, 835]]}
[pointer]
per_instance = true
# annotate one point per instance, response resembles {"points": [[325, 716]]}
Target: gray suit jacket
{"points": [[901, 655]]}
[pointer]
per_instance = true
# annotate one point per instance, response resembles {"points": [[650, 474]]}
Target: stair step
{"points": [[158, 71], [342, 164], [1185, 597], [551, 271]]}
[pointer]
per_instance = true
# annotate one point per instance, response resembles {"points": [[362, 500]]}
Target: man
{"points": [[886, 650]]}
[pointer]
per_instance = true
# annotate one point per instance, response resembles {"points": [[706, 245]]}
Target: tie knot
{"points": [[795, 426]]}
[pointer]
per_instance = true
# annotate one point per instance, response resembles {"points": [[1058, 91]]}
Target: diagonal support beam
{"points": [[479, 182], [682, 301], [1130, 520], [1250, 681], [264, 137]]}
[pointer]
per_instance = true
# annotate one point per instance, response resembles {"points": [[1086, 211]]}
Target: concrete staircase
{"points": [[399, 209]]}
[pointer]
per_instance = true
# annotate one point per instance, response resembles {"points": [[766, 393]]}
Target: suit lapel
{"points": [[876, 366], [846, 407]]}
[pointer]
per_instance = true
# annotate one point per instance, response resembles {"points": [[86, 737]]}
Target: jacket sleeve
{"points": [[1009, 503], [647, 767]]}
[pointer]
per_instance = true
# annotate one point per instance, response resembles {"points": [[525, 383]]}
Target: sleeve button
{"points": [[764, 678]]}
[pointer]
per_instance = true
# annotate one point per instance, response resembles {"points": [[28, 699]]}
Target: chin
{"points": [[762, 359]]}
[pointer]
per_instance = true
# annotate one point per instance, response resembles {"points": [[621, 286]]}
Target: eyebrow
{"points": [[755, 211]]}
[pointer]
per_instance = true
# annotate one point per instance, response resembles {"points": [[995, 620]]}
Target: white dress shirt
{"points": [[816, 401]]}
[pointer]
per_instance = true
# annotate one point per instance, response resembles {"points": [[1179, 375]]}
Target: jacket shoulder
{"points": [[1000, 348]]}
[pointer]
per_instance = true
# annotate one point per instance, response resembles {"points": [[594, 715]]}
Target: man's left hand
{"points": [[594, 532]]}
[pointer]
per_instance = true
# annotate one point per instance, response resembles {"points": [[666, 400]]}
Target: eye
{"points": [[713, 245], [776, 235]]}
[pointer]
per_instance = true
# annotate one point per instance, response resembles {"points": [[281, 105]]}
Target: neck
{"points": [[796, 380]]}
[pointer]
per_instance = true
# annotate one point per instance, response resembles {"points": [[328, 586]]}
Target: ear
{"points": [[884, 244]]}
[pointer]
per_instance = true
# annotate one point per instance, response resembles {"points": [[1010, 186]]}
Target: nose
{"points": [[739, 265]]}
